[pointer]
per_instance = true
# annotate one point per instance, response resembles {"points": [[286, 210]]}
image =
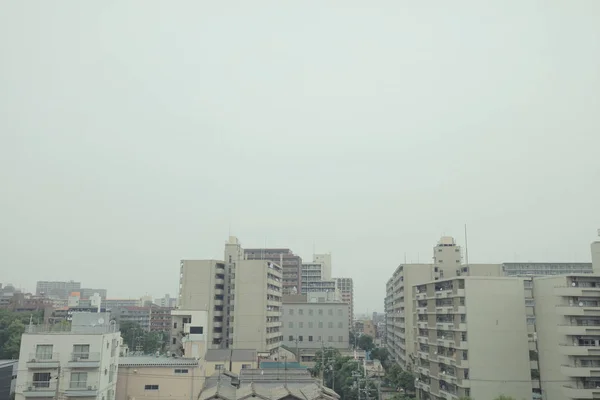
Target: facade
{"points": [[545, 269], [166, 301], [325, 261], [311, 273], [319, 286], [79, 362], [116, 303], [290, 262], [58, 289], [346, 288], [595, 247], [312, 325], [567, 310], [135, 315], [159, 377], [454, 337], [231, 360], [86, 293], [241, 299]]}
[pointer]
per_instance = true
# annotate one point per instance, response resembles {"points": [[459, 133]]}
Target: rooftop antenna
{"points": [[466, 247]]}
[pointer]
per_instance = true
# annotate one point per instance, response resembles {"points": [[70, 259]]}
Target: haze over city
{"points": [[366, 131]]}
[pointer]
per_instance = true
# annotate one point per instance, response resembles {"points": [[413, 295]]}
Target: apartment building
{"points": [[86, 293], [241, 299], [315, 323], [290, 262], [80, 361], [346, 288], [60, 289], [325, 261], [471, 338], [319, 286], [312, 273], [166, 301], [567, 310], [544, 268], [595, 247]]}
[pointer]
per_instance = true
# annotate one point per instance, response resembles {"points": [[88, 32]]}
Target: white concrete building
{"points": [[471, 339], [81, 362]]}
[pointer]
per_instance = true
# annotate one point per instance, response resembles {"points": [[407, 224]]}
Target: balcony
{"points": [[81, 389], [574, 350], [40, 389], [577, 291], [84, 360], [460, 327], [579, 330], [460, 309], [421, 296], [580, 372], [576, 310], [581, 392], [460, 292], [43, 361]]}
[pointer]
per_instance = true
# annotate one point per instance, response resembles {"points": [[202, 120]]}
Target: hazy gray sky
{"points": [[136, 133]]}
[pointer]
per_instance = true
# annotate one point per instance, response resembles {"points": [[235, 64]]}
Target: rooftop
{"points": [[153, 361]]}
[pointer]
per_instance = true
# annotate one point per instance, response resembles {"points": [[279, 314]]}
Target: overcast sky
{"points": [[137, 133]]}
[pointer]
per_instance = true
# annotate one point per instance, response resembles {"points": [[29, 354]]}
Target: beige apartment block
{"points": [[472, 339], [346, 288], [567, 311], [399, 308]]}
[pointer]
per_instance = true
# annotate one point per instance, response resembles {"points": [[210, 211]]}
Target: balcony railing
{"points": [[84, 356], [40, 386]]}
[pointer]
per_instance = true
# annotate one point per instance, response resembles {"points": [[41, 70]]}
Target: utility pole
{"points": [[57, 383]]}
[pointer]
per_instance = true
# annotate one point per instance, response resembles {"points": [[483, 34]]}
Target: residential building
{"points": [[8, 378], [399, 308], [346, 287], [160, 318], [86, 293], [595, 247], [290, 262], [190, 334], [312, 325], [135, 315], [80, 360], [567, 312], [311, 272], [60, 289], [166, 301], [116, 303], [319, 286], [241, 298], [325, 261], [476, 324], [266, 384], [143, 377]]}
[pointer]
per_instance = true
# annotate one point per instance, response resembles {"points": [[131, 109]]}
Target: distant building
{"points": [[116, 303], [310, 325], [290, 262], [79, 362], [60, 289], [86, 293], [166, 301], [346, 287]]}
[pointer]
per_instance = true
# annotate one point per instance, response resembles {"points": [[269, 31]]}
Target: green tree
{"points": [[139, 339], [12, 326], [365, 342], [381, 354]]}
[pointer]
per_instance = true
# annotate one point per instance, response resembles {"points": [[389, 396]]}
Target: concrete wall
{"points": [[595, 247], [132, 381], [498, 349]]}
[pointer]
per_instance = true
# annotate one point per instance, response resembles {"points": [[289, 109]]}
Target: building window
{"points": [[291, 338], [290, 325], [291, 311], [81, 352], [174, 325], [340, 339], [78, 380], [330, 339], [340, 312], [43, 352], [174, 340], [41, 379], [300, 311], [330, 324], [310, 312], [181, 371], [219, 367], [319, 339], [246, 366], [300, 324], [320, 311], [340, 325], [320, 324], [310, 338], [310, 324], [151, 387], [300, 338], [330, 311], [196, 330]]}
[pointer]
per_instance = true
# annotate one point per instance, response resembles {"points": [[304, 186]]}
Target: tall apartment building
{"points": [[325, 261], [312, 273], [166, 301], [595, 247], [311, 323], [81, 362], [346, 288], [58, 289], [290, 262], [567, 311], [472, 339], [241, 300]]}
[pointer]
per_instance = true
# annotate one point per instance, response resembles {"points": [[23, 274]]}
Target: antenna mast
{"points": [[466, 247]]}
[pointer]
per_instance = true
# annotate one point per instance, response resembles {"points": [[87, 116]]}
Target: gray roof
{"points": [[231, 355], [6, 363], [301, 386], [152, 361]]}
